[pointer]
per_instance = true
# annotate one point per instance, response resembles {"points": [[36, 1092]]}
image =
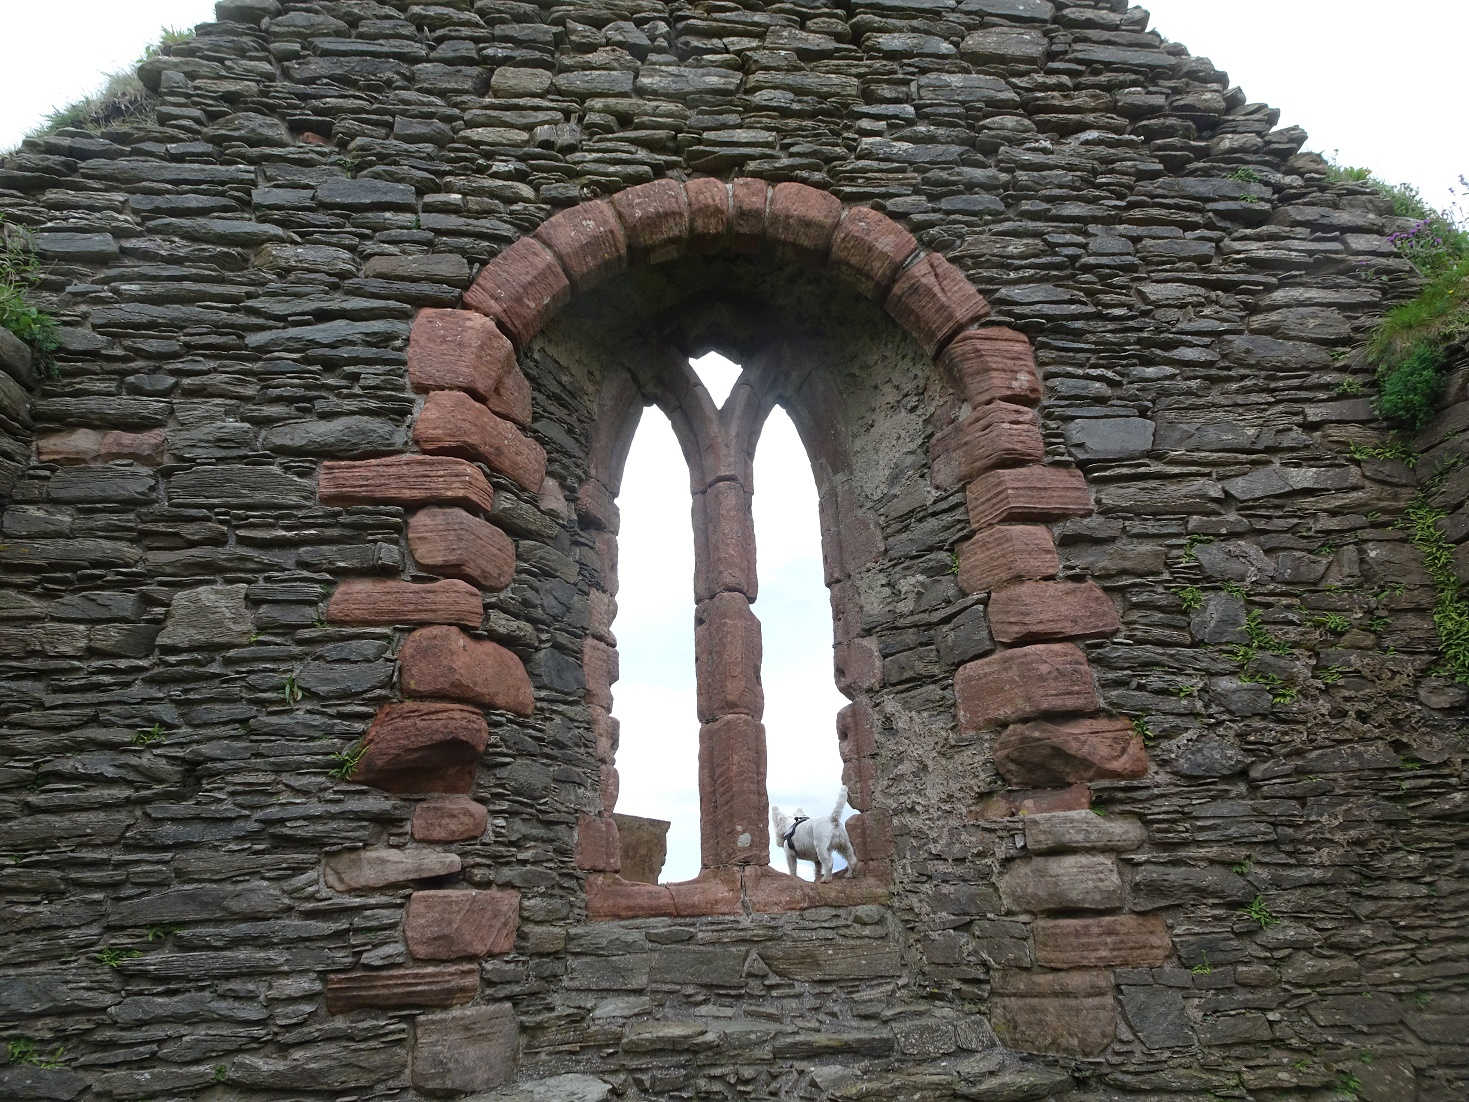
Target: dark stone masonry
{"points": [[308, 750]]}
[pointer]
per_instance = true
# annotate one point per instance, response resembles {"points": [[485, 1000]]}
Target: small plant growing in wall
{"points": [[1190, 598], [113, 957], [1257, 911], [149, 737], [23, 1050], [19, 272], [290, 690], [347, 761]]}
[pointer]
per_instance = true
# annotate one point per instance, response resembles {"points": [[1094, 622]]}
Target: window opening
{"points": [[803, 767], [653, 700]]}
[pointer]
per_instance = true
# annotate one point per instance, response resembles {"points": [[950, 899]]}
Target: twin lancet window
{"points": [[738, 675]]}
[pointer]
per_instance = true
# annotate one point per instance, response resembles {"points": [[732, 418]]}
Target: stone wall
{"points": [[1162, 789]]}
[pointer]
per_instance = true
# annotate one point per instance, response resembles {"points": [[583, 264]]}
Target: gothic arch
{"points": [[1036, 690]]}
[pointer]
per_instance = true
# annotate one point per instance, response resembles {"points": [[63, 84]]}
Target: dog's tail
{"points": [[836, 812]]}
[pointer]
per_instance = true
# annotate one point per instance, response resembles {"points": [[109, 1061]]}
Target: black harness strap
{"points": [[788, 839]]}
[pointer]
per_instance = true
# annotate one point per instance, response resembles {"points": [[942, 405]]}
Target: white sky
{"points": [[1378, 86]]}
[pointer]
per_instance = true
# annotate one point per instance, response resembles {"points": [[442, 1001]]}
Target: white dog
{"points": [[815, 840]]}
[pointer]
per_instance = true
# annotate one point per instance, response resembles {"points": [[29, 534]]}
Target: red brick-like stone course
{"points": [[1030, 612], [802, 219], [871, 834], [588, 240], [1027, 493], [397, 987], [727, 653], [993, 364], [444, 662], [868, 249], [453, 423], [712, 892], [451, 541], [733, 807], [449, 819], [1066, 752], [422, 747], [598, 847], [520, 288], [709, 214], [749, 200], [655, 217], [999, 435], [457, 350], [1044, 679], [98, 446], [1032, 801], [1128, 941], [406, 480], [1006, 553], [386, 602], [933, 300], [460, 923]]}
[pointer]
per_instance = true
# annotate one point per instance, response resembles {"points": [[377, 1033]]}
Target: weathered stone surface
{"points": [[558, 1088], [386, 988], [1029, 612], [1068, 1013], [355, 870], [993, 364], [422, 747], [456, 923], [643, 846], [598, 844], [470, 1049], [655, 218], [210, 616], [1109, 941], [1058, 753], [386, 602], [802, 219], [1027, 493], [453, 423], [405, 480], [588, 241], [727, 654], [451, 541], [1006, 553], [998, 435], [733, 808], [444, 662], [933, 300], [449, 819], [1075, 882], [1059, 831], [457, 350], [1028, 681], [868, 249]]}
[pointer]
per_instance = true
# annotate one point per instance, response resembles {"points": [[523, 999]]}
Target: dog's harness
{"points": [[789, 838]]}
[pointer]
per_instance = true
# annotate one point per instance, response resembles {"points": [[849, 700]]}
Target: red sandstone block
{"points": [[933, 300], [1007, 805], [1016, 684], [611, 897], [858, 665], [856, 731], [457, 350], [727, 654], [712, 892], [460, 923], [860, 777], [589, 242], [453, 423], [1070, 751], [451, 541], [998, 435], [381, 601], [604, 561], [1063, 1025], [748, 202], [407, 480], [449, 819], [606, 730], [520, 288], [868, 249], [1006, 553], [396, 987], [1120, 941], [511, 399], [1031, 612], [655, 217], [1027, 493], [600, 668], [709, 215], [596, 506], [733, 807], [611, 786], [95, 446], [444, 662], [993, 364], [846, 610], [871, 833], [422, 747], [597, 846], [601, 611], [802, 219], [724, 541]]}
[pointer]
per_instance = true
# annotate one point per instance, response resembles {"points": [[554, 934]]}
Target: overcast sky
{"points": [[1378, 86]]}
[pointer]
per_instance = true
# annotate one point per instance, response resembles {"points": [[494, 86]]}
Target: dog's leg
{"points": [[790, 860]]}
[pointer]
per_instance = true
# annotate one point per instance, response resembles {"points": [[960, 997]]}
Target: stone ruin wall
{"points": [[265, 506]]}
